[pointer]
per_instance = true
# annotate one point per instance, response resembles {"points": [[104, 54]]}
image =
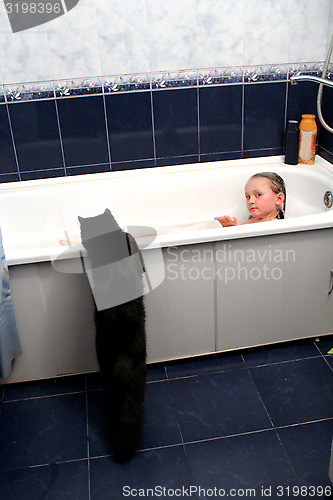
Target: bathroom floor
{"points": [[253, 423]]}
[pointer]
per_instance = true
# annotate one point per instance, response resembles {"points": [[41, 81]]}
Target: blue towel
{"points": [[10, 346]]}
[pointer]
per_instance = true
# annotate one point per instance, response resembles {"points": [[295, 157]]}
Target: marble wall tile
{"points": [[220, 33], [73, 43], [172, 34], [310, 30], [266, 32], [25, 57], [123, 36], [107, 37]]}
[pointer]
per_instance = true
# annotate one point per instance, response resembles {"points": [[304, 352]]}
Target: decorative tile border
{"points": [[220, 76], [2, 94], [275, 73], [78, 87], [174, 79], [126, 83], [29, 91], [11, 93]]}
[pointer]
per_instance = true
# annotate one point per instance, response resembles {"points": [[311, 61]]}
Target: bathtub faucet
{"points": [[310, 78]]}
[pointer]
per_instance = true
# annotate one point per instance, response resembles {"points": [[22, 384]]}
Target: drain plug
{"points": [[328, 199]]}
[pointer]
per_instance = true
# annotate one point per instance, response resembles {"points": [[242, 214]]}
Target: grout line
{"points": [[198, 122], [169, 377], [106, 124], [60, 137], [326, 361], [303, 423], [36, 466], [282, 362], [217, 438], [286, 454], [260, 397], [153, 126], [45, 396], [13, 142], [243, 118], [181, 444], [325, 356], [204, 374]]}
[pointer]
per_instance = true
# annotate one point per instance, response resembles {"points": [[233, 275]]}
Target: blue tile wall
{"points": [[36, 135], [176, 122], [264, 116], [83, 130], [220, 111], [8, 162], [138, 125], [129, 118]]}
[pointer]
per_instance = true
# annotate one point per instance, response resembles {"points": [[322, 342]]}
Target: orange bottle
{"points": [[307, 140]]}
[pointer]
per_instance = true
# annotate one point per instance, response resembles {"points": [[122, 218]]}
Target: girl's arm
{"points": [[226, 220]]}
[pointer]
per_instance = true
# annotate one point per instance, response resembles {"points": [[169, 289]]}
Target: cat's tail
{"points": [[128, 428]]}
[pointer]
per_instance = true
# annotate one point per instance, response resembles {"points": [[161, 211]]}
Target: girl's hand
{"points": [[227, 221], [67, 243]]}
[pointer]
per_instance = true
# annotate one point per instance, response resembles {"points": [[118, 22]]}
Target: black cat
{"points": [[120, 329]]}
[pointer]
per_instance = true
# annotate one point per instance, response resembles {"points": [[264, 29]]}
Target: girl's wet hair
{"points": [[278, 186]]}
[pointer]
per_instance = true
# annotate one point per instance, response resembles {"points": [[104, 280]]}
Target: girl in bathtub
{"points": [[265, 195]]}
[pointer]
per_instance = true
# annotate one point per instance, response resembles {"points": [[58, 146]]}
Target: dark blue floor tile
{"points": [[200, 366], [99, 429], [43, 431], [153, 470], [280, 352], [296, 392], [51, 387], [156, 372], [94, 381], [218, 404], [52, 482], [160, 428], [308, 447], [249, 462], [325, 344], [329, 360]]}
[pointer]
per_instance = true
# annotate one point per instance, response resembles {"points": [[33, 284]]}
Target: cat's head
{"points": [[92, 227]]}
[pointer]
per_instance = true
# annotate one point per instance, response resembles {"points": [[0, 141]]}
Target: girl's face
{"points": [[261, 201]]}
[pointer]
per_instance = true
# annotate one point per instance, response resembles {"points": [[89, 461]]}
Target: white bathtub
{"points": [[221, 288]]}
